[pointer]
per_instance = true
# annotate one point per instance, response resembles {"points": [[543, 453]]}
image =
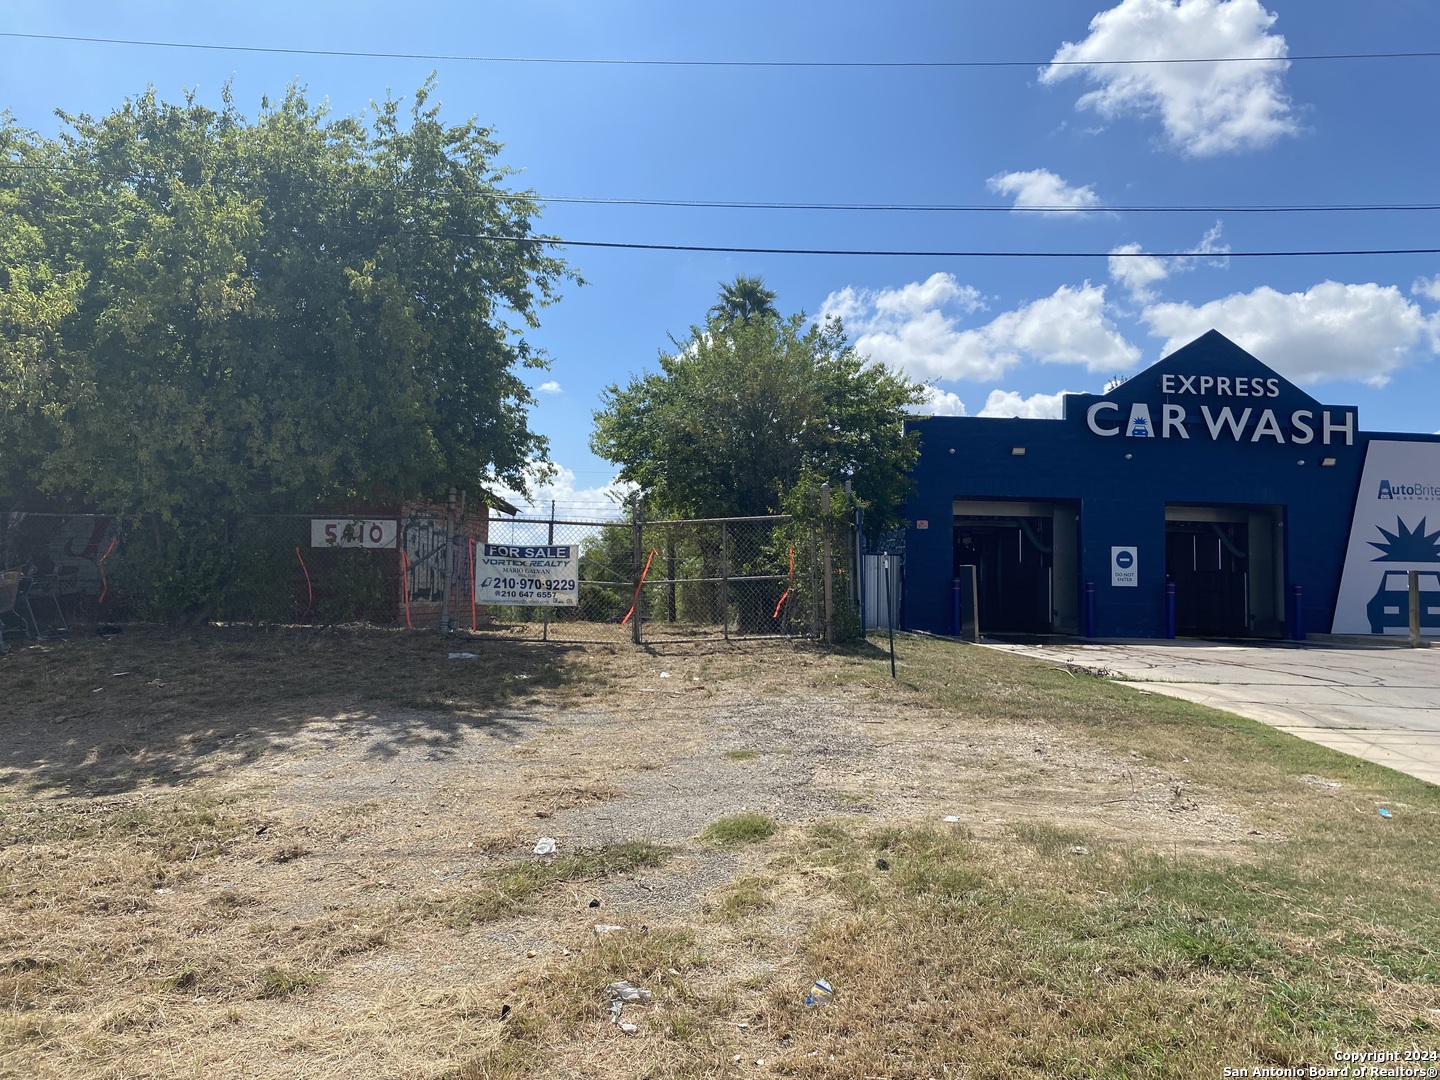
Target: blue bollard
{"points": [[1170, 610]]}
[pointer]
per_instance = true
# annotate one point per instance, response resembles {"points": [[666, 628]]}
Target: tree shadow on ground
{"points": [[93, 715]]}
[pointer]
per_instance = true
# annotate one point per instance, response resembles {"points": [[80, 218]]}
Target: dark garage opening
{"points": [[1227, 565]]}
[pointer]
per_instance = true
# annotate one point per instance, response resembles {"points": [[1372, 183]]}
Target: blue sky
{"points": [[992, 335]]}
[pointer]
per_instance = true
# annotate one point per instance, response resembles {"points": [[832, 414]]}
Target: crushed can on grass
{"points": [[821, 993]]}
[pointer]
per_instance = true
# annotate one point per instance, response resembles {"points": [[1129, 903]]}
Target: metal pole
{"points": [[829, 579], [545, 625], [814, 586], [889, 610], [1414, 582], [449, 562], [636, 545], [725, 580], [860, 597]]}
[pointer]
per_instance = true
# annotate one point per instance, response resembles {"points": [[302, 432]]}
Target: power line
{"points": [[631, 62], [724, 204], [725, 249], [977, 254], [734, 204], [559, 242]]}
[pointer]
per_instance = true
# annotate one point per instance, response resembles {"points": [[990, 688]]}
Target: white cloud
{"points": [[1068, 327], [1041, 188], [896, 328], [601, 502], [551, 387], [940, 403], [1035, 407], [1427, 287], [1137, 272], [873, 306], [1205, 109], [1330, 331]]}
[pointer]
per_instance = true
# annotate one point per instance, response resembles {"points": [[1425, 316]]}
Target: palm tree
{"points": [[743, 299]]}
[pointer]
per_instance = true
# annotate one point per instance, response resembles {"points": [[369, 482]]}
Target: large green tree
{"points": [[744, 413], [204, 315]]}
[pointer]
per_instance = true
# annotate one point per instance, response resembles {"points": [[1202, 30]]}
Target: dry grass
{"points": [[277, 853]]}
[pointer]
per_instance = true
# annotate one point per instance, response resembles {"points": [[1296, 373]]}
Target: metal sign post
{"points": [[889, 609]]}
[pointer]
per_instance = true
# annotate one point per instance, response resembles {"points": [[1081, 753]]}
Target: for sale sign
{"points": [[528, 575], [352, 532]]}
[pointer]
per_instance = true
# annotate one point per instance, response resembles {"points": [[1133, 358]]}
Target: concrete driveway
{"points": [[1377, 702]]}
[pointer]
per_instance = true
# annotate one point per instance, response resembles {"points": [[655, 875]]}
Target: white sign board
{"points": [[1124, 570], [1395, 529], [352, 532], [528, 575]]}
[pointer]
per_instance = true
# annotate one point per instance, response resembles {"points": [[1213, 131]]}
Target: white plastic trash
{"points": [[545, 846], [624, 991], [821, 993]]}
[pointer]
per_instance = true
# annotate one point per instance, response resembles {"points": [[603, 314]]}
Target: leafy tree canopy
{"points": [[200, 313], [744, 415]]}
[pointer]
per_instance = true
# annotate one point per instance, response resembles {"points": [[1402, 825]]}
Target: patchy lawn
{"points": [[311, 854]]}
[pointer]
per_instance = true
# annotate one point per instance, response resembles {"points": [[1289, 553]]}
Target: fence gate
{"points": [[672, 580]]}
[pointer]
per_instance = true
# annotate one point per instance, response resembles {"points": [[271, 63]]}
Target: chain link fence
{"points": [[676, 580], [88, 569], [638, 580]]}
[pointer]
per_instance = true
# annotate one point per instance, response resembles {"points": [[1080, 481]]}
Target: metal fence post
{"points": [[814, 628], [636, 547], [725, 580], [545, 625], [829, 568], [449, 562]]}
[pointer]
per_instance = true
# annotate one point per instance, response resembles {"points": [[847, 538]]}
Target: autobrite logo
{"points": [[1389, 490]]}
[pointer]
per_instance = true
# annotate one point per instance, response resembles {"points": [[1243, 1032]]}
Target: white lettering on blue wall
{"points": [[1248, 425], [1219, 385], [1090, 418], [1172, 418], [1139, 425]]}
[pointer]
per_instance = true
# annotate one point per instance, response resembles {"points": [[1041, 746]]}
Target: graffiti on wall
{"points": [[75, 547]]}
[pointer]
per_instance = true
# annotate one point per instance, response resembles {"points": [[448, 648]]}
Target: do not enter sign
{"points": [[1123, 567]]}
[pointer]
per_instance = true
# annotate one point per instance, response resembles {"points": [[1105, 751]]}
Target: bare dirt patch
{"points": [[255, 854]]}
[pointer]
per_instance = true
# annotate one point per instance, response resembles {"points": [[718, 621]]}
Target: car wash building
{"points": [[1205, 496]]}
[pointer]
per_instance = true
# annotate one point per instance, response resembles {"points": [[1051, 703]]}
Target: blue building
{"points": [[1205, 496]]}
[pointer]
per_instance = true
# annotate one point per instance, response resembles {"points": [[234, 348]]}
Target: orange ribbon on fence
{"points": [[104, 584], [636, 598], [786, 594], [309, 589]]}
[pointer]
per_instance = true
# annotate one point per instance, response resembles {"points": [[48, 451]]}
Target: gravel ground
{"points": [[364, 811]]}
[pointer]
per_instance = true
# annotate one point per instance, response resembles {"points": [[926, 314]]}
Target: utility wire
{"points": [[624, 62], [617, 245], [722, 204], [723, 249], [733, 204]]}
